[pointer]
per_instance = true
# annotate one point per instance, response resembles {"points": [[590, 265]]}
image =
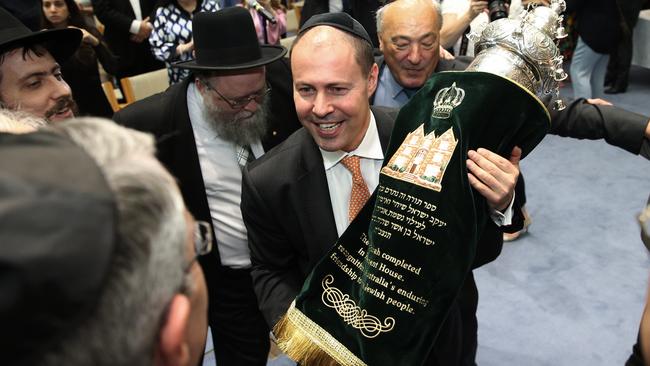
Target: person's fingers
{"points": [[493, 176], [515, 156], [494, 160], [598, 101]]}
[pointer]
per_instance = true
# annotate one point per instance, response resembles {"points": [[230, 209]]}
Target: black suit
{"points": [[27, 11], [117, 15], [239, 332], [617, 126]]}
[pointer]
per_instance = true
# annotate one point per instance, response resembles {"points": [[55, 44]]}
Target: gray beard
{"points": [[242, 127]]}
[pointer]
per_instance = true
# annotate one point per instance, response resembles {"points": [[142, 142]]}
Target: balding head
{"points": [[326, 35], [408, 5], [409, 38]]}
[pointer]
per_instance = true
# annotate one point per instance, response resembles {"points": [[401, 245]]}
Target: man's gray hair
{"points": [[148, 263], [19, 122], [380, 12]]}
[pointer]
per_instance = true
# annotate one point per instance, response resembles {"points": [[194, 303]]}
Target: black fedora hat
{"points": [[61, 43], [226, 40]]}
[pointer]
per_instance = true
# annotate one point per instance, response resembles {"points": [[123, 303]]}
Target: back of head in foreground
{"points": [[93, 254]]}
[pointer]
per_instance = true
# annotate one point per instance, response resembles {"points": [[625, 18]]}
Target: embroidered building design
{"points": [[422, 159]]}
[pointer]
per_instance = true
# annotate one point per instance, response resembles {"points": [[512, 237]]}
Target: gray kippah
{"points": [[57, 235]]}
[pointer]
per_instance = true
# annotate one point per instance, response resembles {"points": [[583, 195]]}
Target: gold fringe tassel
{"points": [[310, 345]]}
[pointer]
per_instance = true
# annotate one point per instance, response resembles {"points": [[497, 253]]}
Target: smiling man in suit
{"points": [[300, 197]]}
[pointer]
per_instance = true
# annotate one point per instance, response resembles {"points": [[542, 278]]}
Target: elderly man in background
{"points": [[30, 75], [97, 262], [234, 106], [409, 39]]}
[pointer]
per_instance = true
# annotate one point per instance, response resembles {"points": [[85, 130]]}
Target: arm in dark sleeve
{"points": [[645, 145], [489, 245], [645, 149], [112, 18], [586, 121], [109, 61], [276, 279]]}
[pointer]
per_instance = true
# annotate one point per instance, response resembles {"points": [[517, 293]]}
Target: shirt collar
{"points": [[392, 87], [369, 148]]}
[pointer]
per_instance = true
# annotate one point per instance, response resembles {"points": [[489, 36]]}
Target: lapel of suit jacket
{"points": [[312, 199], [385, 119]]}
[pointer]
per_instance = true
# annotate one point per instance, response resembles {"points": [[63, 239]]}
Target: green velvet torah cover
{"points": [[381, 294]]}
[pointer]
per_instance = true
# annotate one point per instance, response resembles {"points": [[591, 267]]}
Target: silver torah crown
{"points": [[524, 51]]}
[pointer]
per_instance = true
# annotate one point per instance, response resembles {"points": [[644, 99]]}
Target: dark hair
{"points": [[35, 48], [363, 52], [85, 54], [76, 19]]}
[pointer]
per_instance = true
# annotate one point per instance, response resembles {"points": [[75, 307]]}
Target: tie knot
{"points": [[353, 164]]}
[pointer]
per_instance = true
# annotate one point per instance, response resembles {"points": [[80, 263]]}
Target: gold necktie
{"points": [[360, 193]]}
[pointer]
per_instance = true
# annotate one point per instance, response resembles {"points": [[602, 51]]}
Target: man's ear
{"points": [[172, 348], [373, 77], [199, 85]]}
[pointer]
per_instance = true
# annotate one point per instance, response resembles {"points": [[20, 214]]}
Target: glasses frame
{"points": [[203, 241], [241, 102]]}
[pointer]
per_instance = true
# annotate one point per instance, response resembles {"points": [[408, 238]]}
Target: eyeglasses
{"points": [[644, 221], [202, 241], [240, 103]]}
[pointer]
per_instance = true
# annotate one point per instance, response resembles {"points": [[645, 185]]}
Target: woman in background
{"points": [[171, 38], [272, 33], [81, 71]]}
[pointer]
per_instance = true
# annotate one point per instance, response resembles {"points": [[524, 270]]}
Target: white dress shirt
{"points": [[135, 24], [222, 178], [460, 7], [335, 6]]}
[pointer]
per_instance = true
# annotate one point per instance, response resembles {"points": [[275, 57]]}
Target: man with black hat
{"points": [[235, 106], [293, 219], [97, 262], [30, 75]]}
